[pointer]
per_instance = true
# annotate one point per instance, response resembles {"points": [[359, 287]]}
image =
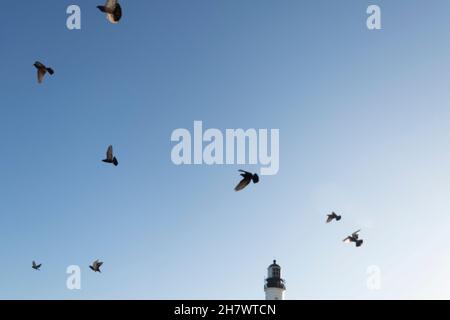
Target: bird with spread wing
{"points": [[96, 266], [42, 70], [333, 216], [110, 157], [354, 237], [36, 266], [113, 11], [247, 177]]}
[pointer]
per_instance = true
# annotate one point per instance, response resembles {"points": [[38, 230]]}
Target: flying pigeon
{"points": [[354, 238], [96, 266], [113, 10], [247, 178], [42, 70], [109, 157], [333, 216], [36, 266]]}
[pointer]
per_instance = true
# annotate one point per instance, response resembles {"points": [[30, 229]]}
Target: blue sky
{"points": [[363, 131]]}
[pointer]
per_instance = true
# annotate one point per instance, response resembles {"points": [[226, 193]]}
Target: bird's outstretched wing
{"points": [[40, 74], [347, 240], [246, 172], [356, 233], [110, 5], [330, 218], [242, 184], [113, 12], [117, 13], [99, 264], [38, 64], [34, 264], [109, 154]]}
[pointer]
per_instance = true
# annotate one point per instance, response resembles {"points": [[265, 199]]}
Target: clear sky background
{"points": [[364, 128]]}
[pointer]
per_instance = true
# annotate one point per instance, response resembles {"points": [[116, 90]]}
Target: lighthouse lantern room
{"points": [[274, 286]]}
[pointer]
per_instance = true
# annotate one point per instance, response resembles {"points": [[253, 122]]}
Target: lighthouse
{"points": [[274, 285]]}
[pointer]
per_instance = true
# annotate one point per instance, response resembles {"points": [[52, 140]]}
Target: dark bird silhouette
{"points": [[332, 217], [113, 11], [110, 157], [96, 266], [42, 70], [247, 177], [36, 266], [354, 238]]}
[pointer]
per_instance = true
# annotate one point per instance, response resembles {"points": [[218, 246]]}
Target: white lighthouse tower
{"points": [[274, 285]]}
